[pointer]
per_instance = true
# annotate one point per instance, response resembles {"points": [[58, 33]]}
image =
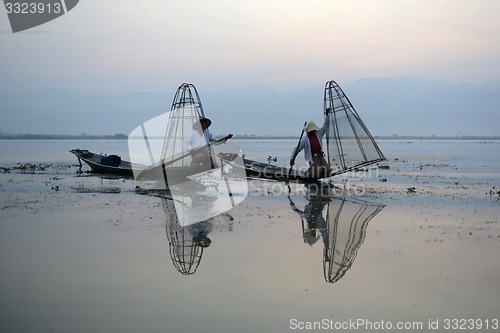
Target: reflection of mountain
{"points": [[343, 230]]}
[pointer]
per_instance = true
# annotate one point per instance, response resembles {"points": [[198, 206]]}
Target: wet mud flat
{"points": [[85, 253]]}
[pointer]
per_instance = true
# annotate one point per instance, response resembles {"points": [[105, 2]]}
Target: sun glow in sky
{"points": [[121, 46]]}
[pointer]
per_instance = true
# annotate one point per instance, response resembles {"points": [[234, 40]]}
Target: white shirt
{"points": [[196, 140], [306, 146]]}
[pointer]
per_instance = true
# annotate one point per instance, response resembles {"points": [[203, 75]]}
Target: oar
{"points": [[292, 161], [217, 142]]}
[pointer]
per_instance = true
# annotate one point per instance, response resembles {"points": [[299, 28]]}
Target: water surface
{"points": [[81, 253]]}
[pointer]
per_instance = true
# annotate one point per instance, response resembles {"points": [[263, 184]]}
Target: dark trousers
{"points": [[319, 167]]}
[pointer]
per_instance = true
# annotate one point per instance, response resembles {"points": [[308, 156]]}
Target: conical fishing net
{"points": [[349, 143], [183, 119]]}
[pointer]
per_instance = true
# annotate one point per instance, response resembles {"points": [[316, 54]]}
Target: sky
{"points": [[125, 46]]}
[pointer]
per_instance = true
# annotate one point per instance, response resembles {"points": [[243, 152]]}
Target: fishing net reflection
{"points": [[342, 230]]}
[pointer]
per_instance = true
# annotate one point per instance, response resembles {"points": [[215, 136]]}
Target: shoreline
{"points": [[121, 136]]}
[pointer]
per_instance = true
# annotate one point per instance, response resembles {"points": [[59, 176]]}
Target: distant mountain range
{"points": [[121, 136], [403, 106]]}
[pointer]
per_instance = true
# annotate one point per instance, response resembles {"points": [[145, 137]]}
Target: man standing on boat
{"points": [[313, 151], [197, 141]]}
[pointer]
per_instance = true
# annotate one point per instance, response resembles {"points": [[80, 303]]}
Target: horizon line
{"points": [[121, 136]]}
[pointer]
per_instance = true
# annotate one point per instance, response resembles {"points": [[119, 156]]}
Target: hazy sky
{"points": [[121, 46]]}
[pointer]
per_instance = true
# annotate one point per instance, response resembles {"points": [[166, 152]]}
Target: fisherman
{"points": [[315, 225], [200, 137], [200, 232], [313, 152]]}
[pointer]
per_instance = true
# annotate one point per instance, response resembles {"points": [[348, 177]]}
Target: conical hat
{"points": [[311, 126]]}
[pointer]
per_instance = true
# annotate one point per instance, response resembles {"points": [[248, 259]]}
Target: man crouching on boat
{"points": [[197, 141], [313, 151]]}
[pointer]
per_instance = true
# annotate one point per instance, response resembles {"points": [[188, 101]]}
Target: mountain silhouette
{"points": [[403, 106]]}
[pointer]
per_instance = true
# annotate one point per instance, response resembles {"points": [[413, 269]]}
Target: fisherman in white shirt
{"points": [[313, 150], [200, 137]]}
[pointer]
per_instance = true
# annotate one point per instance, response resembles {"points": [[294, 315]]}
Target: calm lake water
{"points": [[81, 253], [468, 154]]}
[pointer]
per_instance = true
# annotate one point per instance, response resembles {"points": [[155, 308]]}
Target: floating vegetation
{"points": [[106, 190], [5, 170], [28, 167], [31, 168], [494, 192], [411, 190]]}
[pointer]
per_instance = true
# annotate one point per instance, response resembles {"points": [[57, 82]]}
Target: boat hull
{"points": [[174, 175], [253, 169]]}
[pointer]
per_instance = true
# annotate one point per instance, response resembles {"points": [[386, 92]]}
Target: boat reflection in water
{"points": [[341, 224]]}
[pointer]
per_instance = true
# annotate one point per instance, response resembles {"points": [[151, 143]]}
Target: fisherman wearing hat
{"points": [[313, 152], [199, 138], [315, 226]]}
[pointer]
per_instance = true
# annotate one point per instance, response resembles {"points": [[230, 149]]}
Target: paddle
{"points": [[216, 142], [292, 161]]}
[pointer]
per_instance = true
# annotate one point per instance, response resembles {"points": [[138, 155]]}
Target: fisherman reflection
{"points": [[197, 142], [342, 231], [186, 244], [315, 226], [199, 231]]}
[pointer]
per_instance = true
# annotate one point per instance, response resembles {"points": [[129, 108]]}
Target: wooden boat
{"points": [[253, 169], [126, 168], [94, 161]]}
